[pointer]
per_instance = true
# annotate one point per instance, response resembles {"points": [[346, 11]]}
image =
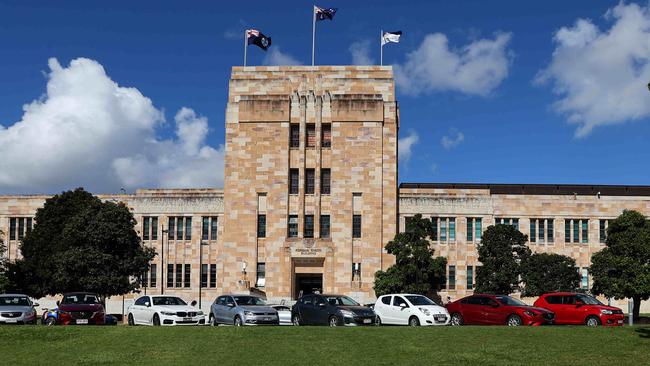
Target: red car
{"points": [[496, 310], [572, 308], [76, 308]]}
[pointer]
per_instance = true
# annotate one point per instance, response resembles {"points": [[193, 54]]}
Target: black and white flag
{"points": [[388, 37]]}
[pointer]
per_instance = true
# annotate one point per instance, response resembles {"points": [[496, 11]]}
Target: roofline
{"points": [[540, 189]]}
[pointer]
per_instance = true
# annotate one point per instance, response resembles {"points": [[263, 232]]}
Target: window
{"points": [[153, 277], [261, 226], [567, 231], [386, 300], [326, 135], [19, 227], [585, 231], [356, 271], [179, 228], [434, 222], [170, 275], [295, 136], [309, 226], [141, 301], [576, 230], [292, 231], [179, 275], [325, 180], [356, 226], [144, 281], [311, 135], [584, 279], [443, 229], [478, 226], [146, 228], [470, 229], [452, 229], [470, 277], [447, 229], [451, 280], [474, 229], [398, 301], [172, 228], [12, 228], [541, 230], [214, 226], [407, 223], [261, 275], [149, 228], [507, 221], [186, 277], [550, 231], [309, 181], [182, 226], [205, 228], [294, 175], [554, 300], [324, 226], [533, 230], [188, 228], [602, 229], [204, 275], [213, 275]]}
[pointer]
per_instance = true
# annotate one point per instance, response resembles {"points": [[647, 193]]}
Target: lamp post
{"points": [[162, 260]]}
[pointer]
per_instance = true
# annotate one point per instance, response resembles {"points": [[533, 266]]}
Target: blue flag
{"points": [[324, 13]]}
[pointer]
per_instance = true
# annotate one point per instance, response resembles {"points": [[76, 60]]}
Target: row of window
{"points": [[308, 228], [180, 228], [19, 227], [470, 280], [326, 135], [310, 179]]}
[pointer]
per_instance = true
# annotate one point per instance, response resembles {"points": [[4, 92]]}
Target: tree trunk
{"points": [[637, 307]]}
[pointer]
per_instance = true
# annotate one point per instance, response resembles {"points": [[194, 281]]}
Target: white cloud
{"points": [[453, 139], [405, 145], [89, 131], [600, 76], [361, 53], [477, 68], [275, 57]]}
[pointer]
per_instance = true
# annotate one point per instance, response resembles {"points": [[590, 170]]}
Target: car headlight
{"points": [[425, 311], [530, 313], [167, 313], [248, 313], [347, 313], [606, 312]]}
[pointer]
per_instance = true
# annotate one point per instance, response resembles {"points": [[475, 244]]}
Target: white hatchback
{"points": [[409, 309]]}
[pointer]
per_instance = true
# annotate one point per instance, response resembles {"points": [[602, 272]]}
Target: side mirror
{"points": [[147, 304], [230, 305], [36, 304], [193, 303], [579, 303], [402, 305]]}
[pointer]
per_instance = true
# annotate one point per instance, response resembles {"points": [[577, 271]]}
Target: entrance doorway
{"points": [[307, 283]]}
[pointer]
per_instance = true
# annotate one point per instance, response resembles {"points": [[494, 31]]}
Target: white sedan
{"points": [[163, 310], [409, 309]]}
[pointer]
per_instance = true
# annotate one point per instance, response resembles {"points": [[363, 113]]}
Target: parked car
{"points": [[17, 309], [573, 308], [332, 310], [163, 310], [497, 310], [409, 309], [284, 314], [241, 310], [81, 308]]}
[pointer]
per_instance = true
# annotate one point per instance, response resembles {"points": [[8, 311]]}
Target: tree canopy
{"points": [[80, 243], [415, 269], [502, 250], [622, 268], [544, 272], [4, 280]]}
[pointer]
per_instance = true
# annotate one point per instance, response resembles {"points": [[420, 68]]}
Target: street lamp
{"points": [[162, 260]]}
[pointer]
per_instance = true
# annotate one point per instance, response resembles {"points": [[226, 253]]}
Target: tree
{"points": [[543, 273], [415, 269], [501, 251], [80, 243], [622, 269], [4, 280]]}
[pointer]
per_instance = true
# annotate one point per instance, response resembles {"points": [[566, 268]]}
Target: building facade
{"points": [[311, 198]]}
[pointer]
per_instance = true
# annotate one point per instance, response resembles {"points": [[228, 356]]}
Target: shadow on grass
{"points": [[644, 332]]}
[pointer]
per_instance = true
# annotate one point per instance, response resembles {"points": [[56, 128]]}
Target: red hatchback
{"points": [[496, 310], [572, 308]]}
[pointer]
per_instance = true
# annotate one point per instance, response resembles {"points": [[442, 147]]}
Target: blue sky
{"points": [[179, 54]]}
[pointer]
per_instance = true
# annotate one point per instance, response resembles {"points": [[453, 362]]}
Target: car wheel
{"points": [[50, 321], [238, 322], [514, 321], [156, 320], [378, 321], [592, 321], [130, 320], [414, 321], [296, 320], [334, 321], [456, 319]]}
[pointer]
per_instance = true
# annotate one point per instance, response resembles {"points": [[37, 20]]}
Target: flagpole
{"points": [[381, 47], [313, 35], [245, 48]]}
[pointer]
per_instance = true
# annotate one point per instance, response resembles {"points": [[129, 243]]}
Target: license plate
{"points": [[620, 322], [267, 319], [82, 321], [11, 321], [187, 319], [367, 321], [440, 318]]}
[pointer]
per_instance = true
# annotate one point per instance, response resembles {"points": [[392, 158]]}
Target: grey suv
{"points": [[241, 310]]}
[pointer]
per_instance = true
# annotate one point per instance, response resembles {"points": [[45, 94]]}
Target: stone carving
{"points": [[174, 205], [446, 205]]}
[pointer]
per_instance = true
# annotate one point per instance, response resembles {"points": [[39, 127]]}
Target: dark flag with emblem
{"points": [[257, 38], [324, 13]]}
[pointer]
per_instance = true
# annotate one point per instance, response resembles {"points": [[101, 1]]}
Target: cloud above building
{"points": [[275, 57], [453, 139], [600, 76], [360, 52], [405, 146], [476, 68], [87, 130]]}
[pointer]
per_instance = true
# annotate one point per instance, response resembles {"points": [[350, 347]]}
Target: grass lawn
{"points": [[560, 345]]}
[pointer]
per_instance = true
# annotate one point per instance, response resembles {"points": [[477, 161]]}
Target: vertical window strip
{"points": [[603, 231], [213, 275], [479, 229], [550, 234], [443, 229], [170, 275], [576, 231], [153, 278], [452, 229], [188, 272], [179, 275], [567, 230], [533, 230], [356, 226], [324, 226], [309, 226], [205, 227], [188, 228], [470, 277], [261, 226], [204, 275], [145, 227], [470, 229], [12, 228], [452, 278], [541, 230], [585, 230], [214, 226], [171, 228]]}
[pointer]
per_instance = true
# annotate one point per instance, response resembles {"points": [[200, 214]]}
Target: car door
{"points": [[216, 309], [493, 312], [570, 310], [227, 310], [147, 311], [383, 309], [554, 304], [471, 309], [322, 310], [401, 311], [305, 308], [136, 309]]}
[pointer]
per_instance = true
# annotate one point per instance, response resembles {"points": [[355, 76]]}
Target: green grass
{"points": [[563, 345]]}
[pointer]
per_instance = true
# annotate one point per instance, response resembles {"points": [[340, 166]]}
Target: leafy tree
{"points": [[543, 273], [80, 243], [622, 269], [415, 269], [4, 280], [502, 251]]}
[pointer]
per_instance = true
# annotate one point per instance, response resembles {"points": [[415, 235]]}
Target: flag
{"points": [[324, 13], [390, 37], [257, 38]]}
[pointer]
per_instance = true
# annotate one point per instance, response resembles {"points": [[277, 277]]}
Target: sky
{"points": [[132, 94]]}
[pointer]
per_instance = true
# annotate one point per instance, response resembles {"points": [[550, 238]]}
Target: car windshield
{"points": [[509, 301], [419, 300], [341, 300], [588, 300], [14, 301], [249, 300], [80, 299], [168, 300]]}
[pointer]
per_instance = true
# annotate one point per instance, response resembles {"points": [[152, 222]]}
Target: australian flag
{"points": [[257, 38], [324, 13]]}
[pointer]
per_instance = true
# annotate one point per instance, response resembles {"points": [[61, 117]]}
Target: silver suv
{"points": [[241, 310]]}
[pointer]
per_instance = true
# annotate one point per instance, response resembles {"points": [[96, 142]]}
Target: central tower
{"points": [[310, 192]]}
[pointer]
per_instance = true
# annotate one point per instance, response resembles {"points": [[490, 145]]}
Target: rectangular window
{"points": [[434, 223], [213, 275], [145, 228], [602, 229], [170, 275], [295, 136], [179, 275], [172, 228], [533, 230], [325, 181], [179, 228], [470, 229], [327, 135], [154, 228], [205, 228], [356, 226], [188, 228], [214, 227], [452, 229], [311, 135], [188, 272], [443, 229], [144, 281], [153, 277], [261, 275], [478, 223], [261, 226], [451, 281], [21, 228], [309, 226], [567, 230], [204, 275], [584, 279], [541, 231], [550, 231], [310, 175], [324, 226], [292, 229], [585, 231], [407, 223], [294, 175], [12, 228], [470, 277]]}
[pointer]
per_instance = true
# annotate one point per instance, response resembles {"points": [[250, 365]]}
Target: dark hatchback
{"points": [[332, 310]]}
